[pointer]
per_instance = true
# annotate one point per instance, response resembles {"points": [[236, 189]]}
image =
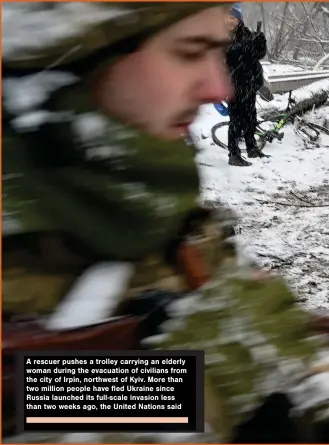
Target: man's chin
{"points": [[171, 133], [174, 135]]}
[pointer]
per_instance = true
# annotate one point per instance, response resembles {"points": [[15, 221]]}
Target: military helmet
{"points": [[78, 30]]}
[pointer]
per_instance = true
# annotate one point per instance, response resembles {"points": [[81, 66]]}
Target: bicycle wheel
{"points": [[214, 129], [302, 128], [319, 127], [261, 141]]}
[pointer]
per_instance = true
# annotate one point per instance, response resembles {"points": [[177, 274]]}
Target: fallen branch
{"points": [[300, 198], [291, 204], [206, 165], [281, 261]]}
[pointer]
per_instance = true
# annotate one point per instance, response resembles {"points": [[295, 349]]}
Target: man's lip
{"points": [[183, 129], [184, 124]]}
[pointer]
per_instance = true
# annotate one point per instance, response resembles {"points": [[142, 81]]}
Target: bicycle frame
{"points": [[269, 135], [279, 121]]}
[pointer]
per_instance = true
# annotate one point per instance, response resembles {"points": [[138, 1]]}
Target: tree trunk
{"points": [[276, 49], [304, 31], [303, 104], [262, 9]]}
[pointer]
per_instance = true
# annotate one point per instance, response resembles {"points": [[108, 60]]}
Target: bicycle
{"points": [[307, 130]]}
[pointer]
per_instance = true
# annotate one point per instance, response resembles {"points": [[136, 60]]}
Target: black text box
{"points": [[113, 391]]}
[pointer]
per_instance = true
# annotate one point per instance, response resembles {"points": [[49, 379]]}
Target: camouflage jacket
{"points": [[124, 196]]}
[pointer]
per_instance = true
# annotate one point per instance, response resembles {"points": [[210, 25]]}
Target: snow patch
{"points": [[93, 297], [24, 94]]}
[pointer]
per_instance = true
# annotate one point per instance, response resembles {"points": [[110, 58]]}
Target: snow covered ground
{"points": [[288, 238]]}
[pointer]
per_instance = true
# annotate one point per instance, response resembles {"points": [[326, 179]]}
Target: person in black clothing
{"points": [[243, 60]]}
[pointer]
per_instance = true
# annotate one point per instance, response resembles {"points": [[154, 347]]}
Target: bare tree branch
{"points": [[316, 9]]}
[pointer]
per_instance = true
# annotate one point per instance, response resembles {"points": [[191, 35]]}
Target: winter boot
{"points": [[238, 161], [256, 153]]}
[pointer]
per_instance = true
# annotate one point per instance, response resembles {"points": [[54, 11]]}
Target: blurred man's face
{"points": [[160, 87], [232, 23]]}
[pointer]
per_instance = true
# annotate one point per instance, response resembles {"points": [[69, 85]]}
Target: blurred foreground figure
{"points": [[243, 58], [108, 171]]}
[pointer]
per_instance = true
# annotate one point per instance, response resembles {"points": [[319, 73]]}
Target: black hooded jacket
{"points": [[243, 59]]}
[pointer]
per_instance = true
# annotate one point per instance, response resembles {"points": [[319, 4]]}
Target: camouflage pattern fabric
{"points": [[119, 193], [257, 341]]}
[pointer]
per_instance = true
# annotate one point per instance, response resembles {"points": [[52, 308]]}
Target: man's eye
{"points": [[190, 55]]}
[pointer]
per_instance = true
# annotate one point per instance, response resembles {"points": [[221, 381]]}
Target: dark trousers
{"points": [[243, 120]]}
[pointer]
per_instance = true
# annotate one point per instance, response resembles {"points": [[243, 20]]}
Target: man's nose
{"points": [[215, 84]]}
